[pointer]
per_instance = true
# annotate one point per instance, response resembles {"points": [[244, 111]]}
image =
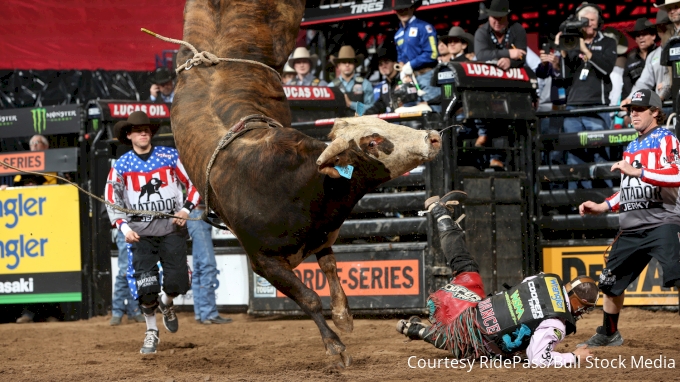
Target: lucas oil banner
{"points": [[39, 245], [569, 262]]}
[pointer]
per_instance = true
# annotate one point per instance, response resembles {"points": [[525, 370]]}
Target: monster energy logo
{"points": [[448, 90], [677, 68], [586, 137], [95, 124], [39, 120], [583, 138]]}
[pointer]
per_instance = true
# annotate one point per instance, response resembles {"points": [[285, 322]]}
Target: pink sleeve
{"points": [[541, 348]]}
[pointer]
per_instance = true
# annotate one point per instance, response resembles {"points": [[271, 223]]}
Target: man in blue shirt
{"points": [[357, 90], [416, 43]]}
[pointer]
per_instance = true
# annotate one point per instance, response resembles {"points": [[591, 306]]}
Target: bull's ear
{"points": [[335, 155]]}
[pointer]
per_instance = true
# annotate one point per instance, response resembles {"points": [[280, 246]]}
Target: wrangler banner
{"points": [[371, 280], [40, 245], [49, 120], [569, 262]]}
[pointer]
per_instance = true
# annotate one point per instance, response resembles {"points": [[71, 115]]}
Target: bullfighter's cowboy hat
{"points": [[137, 118], [345, 54], [499, 8], [664, 3], [405, 4], [302, 53], [161, 76], [459, 33]]}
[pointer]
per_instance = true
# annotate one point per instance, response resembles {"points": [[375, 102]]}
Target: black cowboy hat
{"points": [[137, 118], [642, 25], [498, 8], [404, 4], [161, 76], [662, 17]]}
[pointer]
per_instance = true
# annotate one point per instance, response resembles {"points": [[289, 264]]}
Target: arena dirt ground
{"points": [[284, 349]]}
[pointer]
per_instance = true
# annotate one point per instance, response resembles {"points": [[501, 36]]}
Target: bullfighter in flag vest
{"points": [[649, 211], [149, 178], [531, 317]]}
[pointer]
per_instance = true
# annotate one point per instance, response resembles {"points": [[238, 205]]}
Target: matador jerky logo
{"points": [[586, 138], [41, 116]]}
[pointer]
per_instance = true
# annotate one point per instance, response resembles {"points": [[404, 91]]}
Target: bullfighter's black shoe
{"points": [[602, 339], [170, 320]]}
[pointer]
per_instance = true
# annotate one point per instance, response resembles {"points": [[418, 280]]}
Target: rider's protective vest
{"points": [[508, 319], [356, 94]]}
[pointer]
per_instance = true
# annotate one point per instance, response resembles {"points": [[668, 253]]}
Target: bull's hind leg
{"points": [[277, 271], [342, 318]]}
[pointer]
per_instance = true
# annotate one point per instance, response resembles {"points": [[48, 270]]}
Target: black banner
{"points": [[584, 139], [25, 122], [329, 11], [40, 287], [53, 160]]}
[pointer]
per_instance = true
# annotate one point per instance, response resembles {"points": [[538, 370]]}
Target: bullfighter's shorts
{"points": [[171, 251], [633, 250]]}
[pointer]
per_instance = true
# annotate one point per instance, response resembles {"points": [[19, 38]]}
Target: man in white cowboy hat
{"points": [[498, 40], [417, 49], [163, 86], [148, 178], [288, 74], [673, 9], [358, 91], [303, 63], [457, 42]]}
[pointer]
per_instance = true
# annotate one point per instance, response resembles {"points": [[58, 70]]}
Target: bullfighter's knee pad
{"points": [[148, 287], [175, 282]]}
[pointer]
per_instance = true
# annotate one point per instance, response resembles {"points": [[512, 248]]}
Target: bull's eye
{"points": [[372, 144]]}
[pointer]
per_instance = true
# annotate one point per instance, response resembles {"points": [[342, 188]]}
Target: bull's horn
{"points": [[338, 145]]}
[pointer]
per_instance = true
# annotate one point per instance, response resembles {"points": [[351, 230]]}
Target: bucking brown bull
{"points": [[283, 194]]}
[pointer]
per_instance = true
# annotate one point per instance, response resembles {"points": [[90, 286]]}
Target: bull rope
{"points": [[126, 210], [205, 58]]}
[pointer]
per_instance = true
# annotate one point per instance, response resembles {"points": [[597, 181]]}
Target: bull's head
{"points": [[398, 148]]}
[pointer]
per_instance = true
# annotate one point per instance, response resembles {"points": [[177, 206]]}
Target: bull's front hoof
{"points": [[343, 320], [344, 361], [333, 347]]}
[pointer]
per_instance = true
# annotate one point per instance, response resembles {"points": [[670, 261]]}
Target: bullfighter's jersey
{"points": [[652, 199], [151, 184]]}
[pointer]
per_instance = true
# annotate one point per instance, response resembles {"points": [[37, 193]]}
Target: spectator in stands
{"points": [[654, 76], [646, 37], [163, 86], [589, 66], [288, 74], [303, 63], [204, 277], [50, 312], [616, 76], [549, 70], [121, 289], [504, 44], [457, 43], [393, 93], [357, 90], [444, 54], [499, 41], [417, 50]]}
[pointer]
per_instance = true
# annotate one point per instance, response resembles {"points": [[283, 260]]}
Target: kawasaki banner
{"points": [[40, 245], [48, 120]]}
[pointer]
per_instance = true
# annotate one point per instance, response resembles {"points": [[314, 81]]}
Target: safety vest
{"points": [[508, 319], [357, 92]]}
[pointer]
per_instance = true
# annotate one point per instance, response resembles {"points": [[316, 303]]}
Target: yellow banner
{"points": [[39, 229], [569, 262]]}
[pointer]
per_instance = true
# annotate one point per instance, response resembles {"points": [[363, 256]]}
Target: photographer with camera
{"points": [[587, 59]]}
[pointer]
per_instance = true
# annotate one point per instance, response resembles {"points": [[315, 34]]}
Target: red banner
{"points": [[123, 110]]}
